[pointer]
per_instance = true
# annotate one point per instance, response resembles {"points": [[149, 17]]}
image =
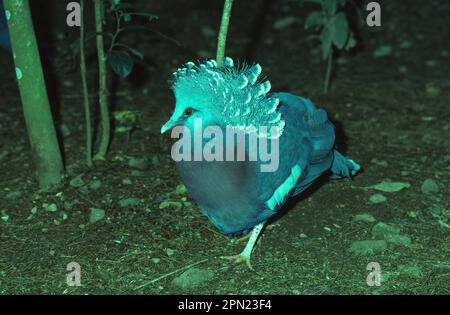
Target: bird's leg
{"points": [[244, 256]]}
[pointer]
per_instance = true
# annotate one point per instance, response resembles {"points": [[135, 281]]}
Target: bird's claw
{"points": [[239, 259]]}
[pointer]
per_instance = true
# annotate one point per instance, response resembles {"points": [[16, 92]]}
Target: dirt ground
{"points": [[392, 116]]}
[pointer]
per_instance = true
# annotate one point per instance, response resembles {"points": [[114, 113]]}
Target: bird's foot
{"points": [[239, 259]]}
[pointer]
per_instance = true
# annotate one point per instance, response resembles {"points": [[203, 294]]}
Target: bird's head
{"points": [[223, 95]]}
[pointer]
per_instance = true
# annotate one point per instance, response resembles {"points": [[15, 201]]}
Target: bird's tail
{"points": [[343, 167]]}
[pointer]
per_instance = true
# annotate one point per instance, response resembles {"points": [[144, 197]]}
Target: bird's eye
{"points": [[188, 111]]}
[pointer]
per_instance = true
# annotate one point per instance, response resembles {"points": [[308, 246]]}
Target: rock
{"points": [[403, 69], [377, 198], [193, 277], [76, 182], [406, 44], [155, 160], [156, 260], [432, 90], [399, 239], [170, 252], [50, 207], [128, 202], [13, 195], [431, 63], [382, 51], [95, 184], [180, 190], [96, 215], [127, 181], [368, 247], [170, 203], [364, 218], [5, 216], [64, 215], [284, 22], [138, 163], [429, 186], [391, 234], [382, 229]]}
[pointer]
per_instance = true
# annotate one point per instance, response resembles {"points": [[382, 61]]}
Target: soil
{"points": [[391, 113]]}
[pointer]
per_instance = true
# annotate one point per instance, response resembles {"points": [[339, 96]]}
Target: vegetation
{"points": [[331, 22]]}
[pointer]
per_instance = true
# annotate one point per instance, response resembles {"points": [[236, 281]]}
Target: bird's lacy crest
{"points": [[236, 92]]}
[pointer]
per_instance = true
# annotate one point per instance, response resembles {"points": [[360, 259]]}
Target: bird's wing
{"points": [[305, 150]]}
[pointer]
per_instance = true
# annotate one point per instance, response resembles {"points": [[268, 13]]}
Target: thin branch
{"points": [[222, 38], [87, 112], [170, 273]]}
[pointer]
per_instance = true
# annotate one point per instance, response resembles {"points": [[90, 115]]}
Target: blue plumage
{"points": [[4, 34], [237, 196]]}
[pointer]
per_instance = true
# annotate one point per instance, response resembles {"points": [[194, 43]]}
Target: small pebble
{"points": [[96, 215], [364, 218], [95, 184], [127, 181], [13, 195], [76, 182], [156, 260], [127, 202], [50, 207], [429, 186], [138, 163], [377, 198]]}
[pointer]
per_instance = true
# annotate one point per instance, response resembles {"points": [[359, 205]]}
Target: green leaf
{"points": [[390, 186], [351, 43], [339, 30], [121, 62], [330, 6], [314, 19]]}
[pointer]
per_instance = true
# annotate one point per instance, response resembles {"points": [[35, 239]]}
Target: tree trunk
{"points": [[103, 93], [33, 93]]}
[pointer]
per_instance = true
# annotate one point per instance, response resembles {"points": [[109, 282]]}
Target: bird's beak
{"points": [[168, 125]]}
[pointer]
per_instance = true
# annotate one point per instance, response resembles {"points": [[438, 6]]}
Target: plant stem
{"points": [[103, 97], [328, 73], [222, 38], [87, 111]]}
